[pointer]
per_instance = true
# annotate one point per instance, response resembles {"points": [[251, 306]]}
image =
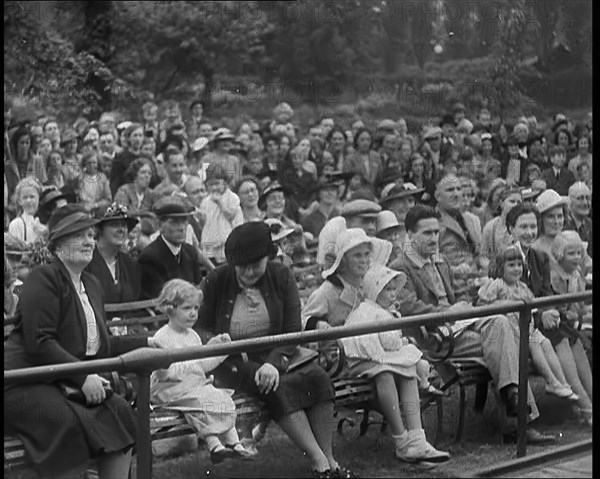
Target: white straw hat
{"points": [[347, 240], [385, 220], [549, 199], [377, 277]]}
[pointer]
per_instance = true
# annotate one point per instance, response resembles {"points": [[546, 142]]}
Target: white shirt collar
{"points": [[174, 249]]}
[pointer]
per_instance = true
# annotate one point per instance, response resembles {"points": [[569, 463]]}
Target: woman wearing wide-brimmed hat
{"points": [[118, 273], [60, 319], [252, 297]]}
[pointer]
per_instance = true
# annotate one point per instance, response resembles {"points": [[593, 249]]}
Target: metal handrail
{"points": [[144, 360]]}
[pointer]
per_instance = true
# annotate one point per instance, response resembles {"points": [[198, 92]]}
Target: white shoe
{"points": [[559, 390], [418, 449]]}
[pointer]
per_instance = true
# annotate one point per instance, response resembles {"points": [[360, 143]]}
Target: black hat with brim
{"points": [[68, 220]]}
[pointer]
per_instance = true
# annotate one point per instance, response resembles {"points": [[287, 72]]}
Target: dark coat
{"points": [[51, 329], [128, 278], [523, 170], [50, 325], [280, 293], [158, 265], [560, 185]]}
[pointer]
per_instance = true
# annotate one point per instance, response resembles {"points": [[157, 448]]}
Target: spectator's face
{"points": [[29, 200], [526, 229], [23, 145], [91, 166], [314, 135], [448, 130], [144, 176], [449, 193], [216, 186], [150, 115], [356, 126], [54, 160], [249, 274], [513, 270], [583, 172], [224, 146], [390, 143], [275, 203], [172, 114], [205, 130], [458, 116], [402, 128], [70, 148], [136, 138], [327, 125], [425, 238], [197, 111], [388, 294], [248, 194], [435, 143], [114, 232], [255, 164], [486, 147], [283, 116], [418, 167], [184, 316], [195, 190], [485, 119], [364, 142], [510, 202], [272, 148], [45, 147], [401, 206], [513, 150], [558, 160], [77, 248], [357, 260], [175, 167], [521, 133], [328, 195], [174, 229], [468, 196], [149, 149], [107, 143], [563, 139], [284, 145], [51, 131], [583, 145], [553, 221], [338, 140], [573, 255], [367, 223]]}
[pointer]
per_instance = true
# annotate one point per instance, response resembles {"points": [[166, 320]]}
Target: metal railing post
{"points": [[144, 444], [524, 320]]}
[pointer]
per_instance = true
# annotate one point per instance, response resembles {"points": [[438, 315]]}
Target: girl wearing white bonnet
{"points": [[392, 362]]}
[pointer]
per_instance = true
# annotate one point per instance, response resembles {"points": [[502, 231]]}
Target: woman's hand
{"points": [[93, 389], [323, 325], [267, 378], [550, 319], [219, 339]]}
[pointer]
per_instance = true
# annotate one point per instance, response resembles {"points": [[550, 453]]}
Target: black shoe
{"points": [[533, 437], [218, 456], [326, 474], [512, 405]]}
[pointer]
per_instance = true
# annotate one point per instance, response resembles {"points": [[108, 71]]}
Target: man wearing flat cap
{"points": [[169, 256], [432, 142]]}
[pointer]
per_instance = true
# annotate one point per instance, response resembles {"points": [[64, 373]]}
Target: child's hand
{"points": [[220, 339]]}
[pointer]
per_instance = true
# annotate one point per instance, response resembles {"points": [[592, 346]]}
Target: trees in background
{"points": [[100, 52]]}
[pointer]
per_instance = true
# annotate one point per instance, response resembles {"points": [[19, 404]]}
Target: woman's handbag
{"points": [[301, 357], [118, 385]]}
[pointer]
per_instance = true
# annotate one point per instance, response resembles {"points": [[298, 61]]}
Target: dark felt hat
{"points": [[272, 187], [69, 219], [248, 243]]}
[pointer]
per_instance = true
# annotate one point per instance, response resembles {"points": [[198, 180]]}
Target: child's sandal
{"points": [[241, 452]]}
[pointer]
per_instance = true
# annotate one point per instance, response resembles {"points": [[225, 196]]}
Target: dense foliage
{"points": [[103, 54]]}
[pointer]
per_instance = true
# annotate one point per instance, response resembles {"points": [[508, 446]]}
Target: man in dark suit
{"points": [[558, 178], [430, 288], [169, 256]]}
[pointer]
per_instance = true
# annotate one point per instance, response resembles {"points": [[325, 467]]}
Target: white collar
{"points": [[174, 249]]}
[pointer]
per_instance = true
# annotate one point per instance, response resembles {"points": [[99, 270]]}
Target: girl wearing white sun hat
{"points": [[393, 364]]}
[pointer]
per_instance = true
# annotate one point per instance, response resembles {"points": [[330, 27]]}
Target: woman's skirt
{"points": [[300, 389], [59, 434], [365, 368]]}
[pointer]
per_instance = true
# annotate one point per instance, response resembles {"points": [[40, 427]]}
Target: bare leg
{"points": [[583, 367], [553, 361], [411, 407], [423, 373], [387, 398], [298, 429], [567, 361], [541, 364], [322, 423], [114, 465]]}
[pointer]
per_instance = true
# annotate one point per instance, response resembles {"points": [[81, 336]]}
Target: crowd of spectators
{"points": [[445, 208]]}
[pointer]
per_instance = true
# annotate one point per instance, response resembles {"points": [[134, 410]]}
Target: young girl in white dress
{"points": [[505, 285], [27, 226], [184, 386], [395, 365]]}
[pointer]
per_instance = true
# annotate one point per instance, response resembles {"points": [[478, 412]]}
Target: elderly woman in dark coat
{"points": [[251, 297], [60, 319]]}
